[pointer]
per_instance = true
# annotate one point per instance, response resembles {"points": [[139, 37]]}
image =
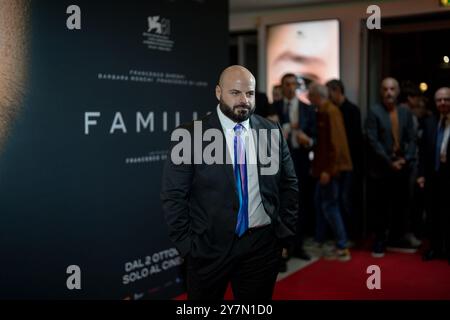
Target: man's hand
{"points": [[324, 178], [421, 182], [397, 165], [286, 130], [285, 134], [303, 139]]}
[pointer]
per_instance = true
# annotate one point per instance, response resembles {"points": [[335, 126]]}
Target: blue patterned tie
{"points": [[240, 174], [439, 140]]}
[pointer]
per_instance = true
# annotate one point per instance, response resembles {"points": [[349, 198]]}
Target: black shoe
{"points": [[401, 246], [431, 255], [301, 254], [378, 249]]}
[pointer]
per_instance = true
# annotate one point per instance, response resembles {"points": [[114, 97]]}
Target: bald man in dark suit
{"points": [[229, 220]]}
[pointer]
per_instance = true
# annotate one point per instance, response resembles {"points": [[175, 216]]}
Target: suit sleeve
{"points": [[313, 127], [372, 137], [175, 191], [288, 192], [411, 143], [359, 140], [422, 150]]}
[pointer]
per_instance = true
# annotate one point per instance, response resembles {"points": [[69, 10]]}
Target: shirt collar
{"points": [[228, 124], [291, 102]]}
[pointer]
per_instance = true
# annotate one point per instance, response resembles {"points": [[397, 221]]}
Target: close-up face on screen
{"points": [[310, 50], [13, 15]]}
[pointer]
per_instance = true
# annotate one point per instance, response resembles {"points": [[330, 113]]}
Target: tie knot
{"points": [[238, 129]]}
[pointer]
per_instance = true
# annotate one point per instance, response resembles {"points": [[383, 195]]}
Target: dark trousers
{"points": [[346, 182], [389, 198], [306, 187], [251, 267], [439, 211], [328, 212], [305, 220], [416, 206]]}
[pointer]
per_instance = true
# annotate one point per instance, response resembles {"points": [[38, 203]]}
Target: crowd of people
{"points": [[398, 156]]}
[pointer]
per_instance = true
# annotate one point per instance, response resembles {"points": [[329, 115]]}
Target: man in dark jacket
{"points": [[434, 172], [390, 133], [229, 217], [298, 121]]}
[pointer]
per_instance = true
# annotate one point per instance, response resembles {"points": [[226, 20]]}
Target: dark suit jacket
{"points": [[307, 122], [200, 201], [381, 142], [427, 149], [352, 121]]}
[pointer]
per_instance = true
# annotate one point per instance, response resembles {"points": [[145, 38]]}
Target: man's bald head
{"points": [[236, 72], [317, 94], [13, 45], [442, 100], [236, 93], [389, 81], [444, 91], [389, 92]]}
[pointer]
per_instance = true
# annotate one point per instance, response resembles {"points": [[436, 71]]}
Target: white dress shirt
{"points": [[293, 120], [446, 137], [257, 215]]}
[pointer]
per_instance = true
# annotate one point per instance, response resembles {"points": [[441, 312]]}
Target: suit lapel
{"points": [[213, 122], [256, 126], [387, 121], [301, 117], [448, 145], [401, 123], [434, 129]]}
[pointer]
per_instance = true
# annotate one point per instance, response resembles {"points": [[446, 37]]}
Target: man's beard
{"points": [[237, 113], [390, 99]]}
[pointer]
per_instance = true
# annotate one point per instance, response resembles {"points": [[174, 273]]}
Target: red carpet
{"points": [[403, 277]]}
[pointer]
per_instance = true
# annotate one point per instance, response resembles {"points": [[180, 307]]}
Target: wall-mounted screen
{"points": [[310, 50]]}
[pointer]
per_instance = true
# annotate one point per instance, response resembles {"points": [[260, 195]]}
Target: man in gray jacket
{"points": [[390, 133]]}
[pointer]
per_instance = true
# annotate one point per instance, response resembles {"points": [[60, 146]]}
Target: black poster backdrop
{"points": [[80, 169]]}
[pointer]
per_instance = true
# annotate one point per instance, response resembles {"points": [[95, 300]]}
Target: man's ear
{"points": [[218, 92]]}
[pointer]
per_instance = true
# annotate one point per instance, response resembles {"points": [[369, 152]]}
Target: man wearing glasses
{"points": [[434, 175]]}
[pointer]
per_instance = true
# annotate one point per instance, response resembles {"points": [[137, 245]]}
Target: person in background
{"points": [[411, 98], [277, 93], [298, 121], [392, 149], [350, 182], [331, 159], [434, 175]]}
